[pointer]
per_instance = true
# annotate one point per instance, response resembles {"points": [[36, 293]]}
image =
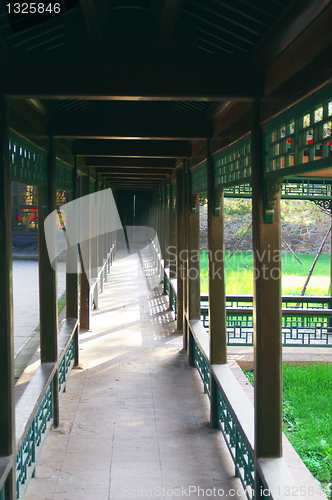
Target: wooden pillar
{"points": [[72, 277], [94, 244], [85, 298], [172, 260], [100, 224], [180, 269], [193, 273], [267, 308], [7, 397], [159, 231], [48, 300], [156, 208], [104, 224], [171, 243], [172, 253], [107, 216], [167, 233], [217, 297], [185, 257], [110, 239]]}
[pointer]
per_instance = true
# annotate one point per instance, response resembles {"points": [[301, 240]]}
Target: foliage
{"points": [[307, 415], [202, 200], [237, 207], [301, 212]]}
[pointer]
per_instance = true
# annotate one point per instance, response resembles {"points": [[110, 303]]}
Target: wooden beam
{"points": [[134, 171], [237, 129], [136, 177], [306, 47], [131, 125], [91, 20], [313, 76], [130, 187], [326, 174], [99, 161], [171, 12], [116, 182], [294, 20], [131, 76], [144, 180], [109, 147]]}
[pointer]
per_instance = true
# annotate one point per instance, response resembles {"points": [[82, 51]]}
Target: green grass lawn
{"points": [[239, 277], [307, 416]]}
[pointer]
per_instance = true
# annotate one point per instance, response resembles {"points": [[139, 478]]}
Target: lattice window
{"points": [[64, 176], [199, 178], [92, 185], [233, 163], [281, 146], [27, 162], [304, 137]]}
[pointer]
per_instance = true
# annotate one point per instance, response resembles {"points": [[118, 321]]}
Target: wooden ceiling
{"points": [[131, 84]]}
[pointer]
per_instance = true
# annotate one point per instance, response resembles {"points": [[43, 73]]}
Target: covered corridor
{"points": [[134, 421], [148, 105]]}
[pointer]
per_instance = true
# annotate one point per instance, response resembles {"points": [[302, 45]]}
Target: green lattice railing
{"points": [[29, 452], [235, 438], [166, 283], [66, 365], [174, 301], [291, 188], [202, 365], [238, 191], [237, 443], [35, 436], [305, 320], [306, 189]]}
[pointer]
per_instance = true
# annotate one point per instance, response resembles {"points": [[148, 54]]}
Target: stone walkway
{"points": [[134, 419]]}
